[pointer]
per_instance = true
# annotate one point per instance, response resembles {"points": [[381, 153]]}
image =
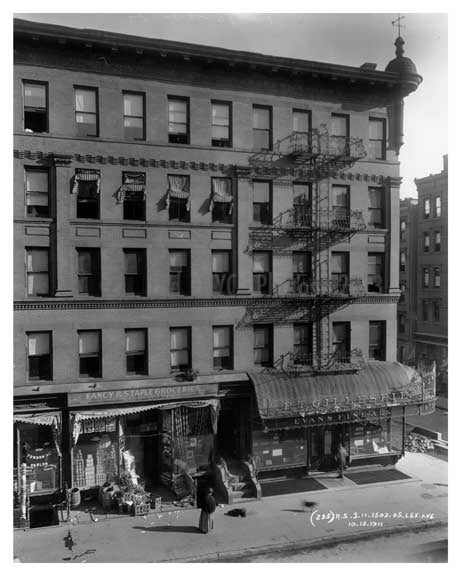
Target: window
{"points": [[178, 120], [262, 272], [89, 350], [136, 351], [403, 288], [262, 211], [222, 200], [302, 272], [425, 311], [402, 323], [134, 124], [340, 271], [427, 208], [436, 277], [262, 345], [375, 272], [37, 266], [133, 195], [222, 271], [89, 271], [37, 193], [180, 348], [86, 111], [425, 277], [87, 186], [403, 229], [39, 357], [180, 272], [223, 357], [135, 271], [221, 122], [427, 241], [436, 311], [377, 346], [35, 106], [178, 198], [377, 138], [437, 241], [262, 127], [302, 343], [341, 341], [340, 206], [302, 204], [339, 140], [376, 208], [301, 129], [438, 207], [403, 261]]}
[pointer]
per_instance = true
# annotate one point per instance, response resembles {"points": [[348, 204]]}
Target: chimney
{"points": [[445, 162]]}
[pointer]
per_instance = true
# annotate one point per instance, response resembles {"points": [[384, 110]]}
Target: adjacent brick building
{"points": [[193, 225]]}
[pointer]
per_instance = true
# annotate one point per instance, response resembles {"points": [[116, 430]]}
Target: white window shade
{"points": [[375, 197], [39, 344], [261, 262], [220, 262], [376, 129], [88, 342], [135, 340], [339, 332], [37, 199], [221, 336], [261, 118], [340, 196], [133, 105], [261, 337], [36, 181], [37, 284], [300, 121], [179, 358], [261, 192], [178, 259], [179, 338], [85, 100], [35, 96], [131, 263], [339, 263], [339, 126], [37, 261]]}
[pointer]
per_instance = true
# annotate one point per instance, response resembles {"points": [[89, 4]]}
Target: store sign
{"points": [[142, 394]]}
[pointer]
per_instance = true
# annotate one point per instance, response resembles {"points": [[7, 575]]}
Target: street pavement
{"points": [[342, 512]]}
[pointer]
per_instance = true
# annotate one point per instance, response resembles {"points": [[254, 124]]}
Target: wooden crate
{"points": [[140, 509]]}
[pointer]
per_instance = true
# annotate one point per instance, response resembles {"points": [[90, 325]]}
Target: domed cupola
{"points": [[404, 67]]}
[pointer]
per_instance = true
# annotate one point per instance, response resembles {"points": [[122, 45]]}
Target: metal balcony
{"points": [[330, 362], [301, 218], [300, 285]]}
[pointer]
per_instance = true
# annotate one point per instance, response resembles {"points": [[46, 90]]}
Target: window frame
{"points": [[425, 310], [436, 316], [224, 280], [222, 142], [84, 357], [381, 346], [49, 368], [46, 109], [427, 208], [41, 170], [225, 218], [345, 354], [229, 362], [437, 277], [129, 355], [426, 277], [264, 208], [438, 207], [94, 278], [182, 367], [143, 117], [437, 244], [183, 276], [268, 345], [268, 130], [179, 137], [340, 280], [266, 286], [127, 201], [93, 200], [402, 261], [426, 242], [140, 277], [43, 249], [381, 224], [302, 280], [302, 350], [96, 114], [383, 140], [344, 149]]}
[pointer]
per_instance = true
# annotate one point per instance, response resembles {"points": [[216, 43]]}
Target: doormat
{"points": [[290, 486], [372, 476]]}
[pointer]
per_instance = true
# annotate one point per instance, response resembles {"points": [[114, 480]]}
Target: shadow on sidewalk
{"points": [[184, 529]]}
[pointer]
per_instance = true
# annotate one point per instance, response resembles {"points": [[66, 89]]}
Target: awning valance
{"points": [[281, 395], [77, 417], [222, 192], [178, 187], [39, 419], [134, 186], [86, 176]]}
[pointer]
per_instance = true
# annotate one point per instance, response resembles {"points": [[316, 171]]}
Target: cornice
{"points": [[240, 172], [236, 301]]}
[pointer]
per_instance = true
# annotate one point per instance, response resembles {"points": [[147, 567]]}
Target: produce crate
{"points": [[140, 509]]}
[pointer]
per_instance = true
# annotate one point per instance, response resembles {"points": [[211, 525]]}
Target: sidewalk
{"points": [[341, 512]]}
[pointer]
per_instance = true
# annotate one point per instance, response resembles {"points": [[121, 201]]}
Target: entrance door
{"points": [[322, 444], [233, 427]]}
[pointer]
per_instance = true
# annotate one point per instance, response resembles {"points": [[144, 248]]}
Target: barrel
{"points": [[75, 498]]}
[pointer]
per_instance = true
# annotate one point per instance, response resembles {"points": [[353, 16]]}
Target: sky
{"points": [[349, 39]]}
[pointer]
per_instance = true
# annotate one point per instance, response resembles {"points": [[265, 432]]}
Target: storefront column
{"points": [[61, 230], [243, 259]]}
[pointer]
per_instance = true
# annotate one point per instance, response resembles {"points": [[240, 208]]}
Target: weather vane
{"points": [[398, 22]]}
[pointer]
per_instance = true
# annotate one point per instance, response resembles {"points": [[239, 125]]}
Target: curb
{"points": [[311, 544]]}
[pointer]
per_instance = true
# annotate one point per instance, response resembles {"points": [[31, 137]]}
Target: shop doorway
{"points": [[322, 445], [232, 441]]}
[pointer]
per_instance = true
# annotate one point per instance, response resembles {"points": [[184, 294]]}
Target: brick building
{"points": [[423, 317], [206, 259]]}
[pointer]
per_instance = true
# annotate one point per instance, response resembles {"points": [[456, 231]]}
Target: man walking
{"points": [[341, 459]]}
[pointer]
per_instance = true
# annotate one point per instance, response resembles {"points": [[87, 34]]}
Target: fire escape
{"points": [[315, 157]]}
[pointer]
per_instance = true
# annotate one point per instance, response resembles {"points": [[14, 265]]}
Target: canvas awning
{"points": [[281, 395], [39, 418], [134, 186], [178, 187], [86, 176]]}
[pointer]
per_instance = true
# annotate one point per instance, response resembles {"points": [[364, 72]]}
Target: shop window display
{"points": [[370, 438], [279, 448], [39, 451]]}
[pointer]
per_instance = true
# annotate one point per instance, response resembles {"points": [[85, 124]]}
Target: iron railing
{"points": [[302, 285], [335, 361]]}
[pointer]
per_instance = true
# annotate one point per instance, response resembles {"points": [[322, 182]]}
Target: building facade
{"points": [[193, 228], [426, 336]]}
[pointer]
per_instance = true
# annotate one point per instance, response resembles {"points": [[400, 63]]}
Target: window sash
{"points": [[135, 341], [261, 262], [340, 262], [261, 192], [133, 105], [37, 260], [39, 343], [301, 121], [340, 197], [179, 259], [301, 194], [134, 262], [222, 337], [220, 261], [85, 100], [438, 206], [261, 118], [35, 95], [339, 125], [89, 343]]}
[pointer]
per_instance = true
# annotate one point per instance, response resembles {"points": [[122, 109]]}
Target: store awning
{"points": [[39, 419], [281, 395], [77, 417]]}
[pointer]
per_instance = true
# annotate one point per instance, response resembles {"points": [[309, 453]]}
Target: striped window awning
{"points": [[133, 187], [178, 188], [222, 192], [86, 176], [39, 419]]}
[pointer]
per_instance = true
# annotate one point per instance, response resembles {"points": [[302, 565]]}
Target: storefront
{"points": [[301, 419]]}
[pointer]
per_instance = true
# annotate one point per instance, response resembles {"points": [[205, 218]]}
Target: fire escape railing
{"points": [[338, 360], [302, 286]]}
